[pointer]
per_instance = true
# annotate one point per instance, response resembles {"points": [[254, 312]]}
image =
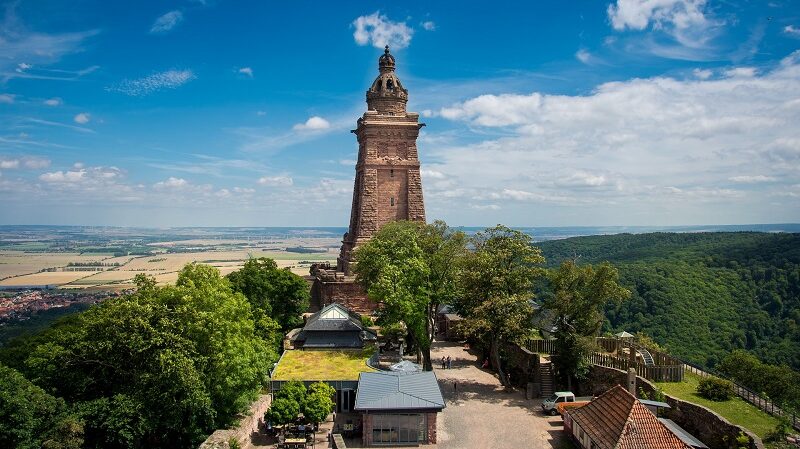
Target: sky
{"points": [[546, 113]]}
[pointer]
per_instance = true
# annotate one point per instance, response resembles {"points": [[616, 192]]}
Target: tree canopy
{"points": [[496, 288], [161, 367], [702, 295], [579, 294], [276, 295], [410, 268]]}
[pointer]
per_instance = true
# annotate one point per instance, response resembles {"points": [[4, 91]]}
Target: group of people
{"points": [[447, 362]]}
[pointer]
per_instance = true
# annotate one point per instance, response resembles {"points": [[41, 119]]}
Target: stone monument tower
{"points": [[387, 185]]}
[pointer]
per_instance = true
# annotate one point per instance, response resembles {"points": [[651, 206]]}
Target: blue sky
{"points": [[547, 113]]}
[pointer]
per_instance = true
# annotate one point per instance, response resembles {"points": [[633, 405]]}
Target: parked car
{"points": [[560, 397]]}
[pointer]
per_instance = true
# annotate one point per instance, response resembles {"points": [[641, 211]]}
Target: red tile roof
{"points": [[617, 420]]}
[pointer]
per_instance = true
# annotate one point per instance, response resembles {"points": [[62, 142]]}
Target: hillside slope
{"points": [[702, 295]]}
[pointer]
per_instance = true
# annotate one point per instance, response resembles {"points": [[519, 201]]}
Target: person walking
{"points": [[444, 363], [449, 362]]}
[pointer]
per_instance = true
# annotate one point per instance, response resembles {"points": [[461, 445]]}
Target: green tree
{"points": [[159, 368], [294, 390], [283, 410], [500, 320], [579, 295], [318, 403], [409, 268], [31, 418], [496, 280], [274, 294]]}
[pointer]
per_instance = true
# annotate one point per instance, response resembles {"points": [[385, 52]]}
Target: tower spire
{"points": [[387, 95]]}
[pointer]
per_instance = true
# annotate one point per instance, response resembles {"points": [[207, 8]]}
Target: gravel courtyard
{"points": [[480, 414]]}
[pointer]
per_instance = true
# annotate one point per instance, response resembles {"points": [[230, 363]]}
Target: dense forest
{"points": [[702, 295]]}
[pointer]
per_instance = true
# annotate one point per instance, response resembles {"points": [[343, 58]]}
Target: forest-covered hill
{"points": [[702, 295]]}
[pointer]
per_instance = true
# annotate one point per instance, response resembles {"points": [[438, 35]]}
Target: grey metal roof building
{"points": [[333, 327], [398, 391]]}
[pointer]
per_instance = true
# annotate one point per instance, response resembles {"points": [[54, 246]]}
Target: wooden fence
{"points": [[541, 346], [666, 369], [762, 403], [653, 373]]}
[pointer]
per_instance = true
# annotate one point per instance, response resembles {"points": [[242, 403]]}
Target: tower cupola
{"points": [[387, 95]]}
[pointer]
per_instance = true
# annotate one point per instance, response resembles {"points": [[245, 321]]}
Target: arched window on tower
{"points": [[390, 84], [391, 173], [392, 201]]}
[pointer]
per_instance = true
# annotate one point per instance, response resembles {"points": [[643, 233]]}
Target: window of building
{"points": [[391, 173], [392, 201], [399, 428]]}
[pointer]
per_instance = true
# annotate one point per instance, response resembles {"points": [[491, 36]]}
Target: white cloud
{"points": [[702, 74], [63, 176], [9, 163], [792, 30], [90, 176], [170, 79], [261, 113], [348, 162], [624, 147], [428, 26], [55, 101], [432, 174], [639, 14], [28, 162], [167, 22], [583, 56], [752, 179], [378, 30], [18, 42], [688, 24], [171, 183], [745, 72], [314, 123], [82, 118], [276, 181], [6, 98], [247, 71]]}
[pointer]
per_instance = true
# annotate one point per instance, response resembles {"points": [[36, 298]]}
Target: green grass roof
{"points": [[322, 365]]}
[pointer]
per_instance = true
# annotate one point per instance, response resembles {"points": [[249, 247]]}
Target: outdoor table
{"points": [[295, 443]]}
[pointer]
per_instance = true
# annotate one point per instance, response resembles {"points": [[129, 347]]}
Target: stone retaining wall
{"points": [[709, 427], [249, 423]]}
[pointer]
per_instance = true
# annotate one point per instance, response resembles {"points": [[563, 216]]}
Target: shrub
{"points": [[234, 444], [715, 389], [366, 321]]}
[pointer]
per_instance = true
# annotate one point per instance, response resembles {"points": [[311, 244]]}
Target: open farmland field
{"points": [[16, 263], [26, 252], [48, 278], [20, 268]]}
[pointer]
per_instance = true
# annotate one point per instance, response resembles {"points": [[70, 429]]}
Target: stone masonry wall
{"points": [[347, 293], [392, 195], [711, 428], [432, 427], [250, 423], [366, 429]]}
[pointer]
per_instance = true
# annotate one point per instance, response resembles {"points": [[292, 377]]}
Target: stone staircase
{"points": [[546, 374]]}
